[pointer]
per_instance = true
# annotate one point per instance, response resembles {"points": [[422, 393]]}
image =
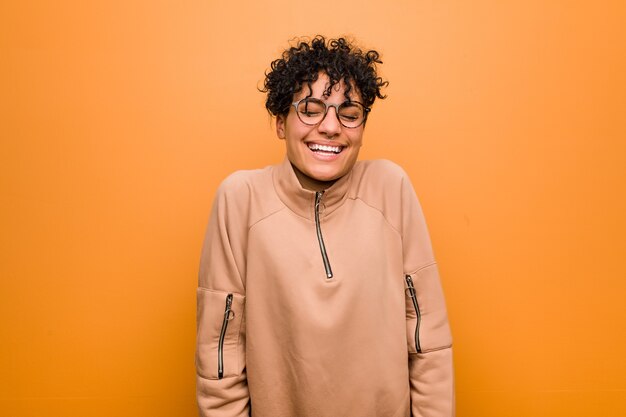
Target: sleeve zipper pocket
{"points": [[228, 315], [413, 295]]}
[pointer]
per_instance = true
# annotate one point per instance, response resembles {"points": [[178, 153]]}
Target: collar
{"points": [[302, 201]]}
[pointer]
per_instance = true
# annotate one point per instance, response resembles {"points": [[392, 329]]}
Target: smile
{"points": [[325, 148]]}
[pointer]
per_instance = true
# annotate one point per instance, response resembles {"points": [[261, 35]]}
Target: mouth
{"points": [[325, 149]]}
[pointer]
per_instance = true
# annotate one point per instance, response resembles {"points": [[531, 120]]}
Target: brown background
{"points": [[120, 118]]}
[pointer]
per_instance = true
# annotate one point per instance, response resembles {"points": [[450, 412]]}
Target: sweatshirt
{"points": [[321, 304]]}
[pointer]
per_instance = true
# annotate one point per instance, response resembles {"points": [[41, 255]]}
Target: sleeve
{"points": [[429, 340], [221, 384]]}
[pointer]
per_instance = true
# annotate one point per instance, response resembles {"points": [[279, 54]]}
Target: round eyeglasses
{"points": [[311, 111]]}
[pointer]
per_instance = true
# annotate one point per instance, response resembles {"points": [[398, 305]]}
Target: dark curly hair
{"points": [[301, 64]]}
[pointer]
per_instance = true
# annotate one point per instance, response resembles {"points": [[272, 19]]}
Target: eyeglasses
{"points": [[311, 111]]}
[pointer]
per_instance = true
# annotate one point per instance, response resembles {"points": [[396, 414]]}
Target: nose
{"points": [[330, 126]]}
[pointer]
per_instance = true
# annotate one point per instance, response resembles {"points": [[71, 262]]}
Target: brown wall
{"points": [[120, 118]]}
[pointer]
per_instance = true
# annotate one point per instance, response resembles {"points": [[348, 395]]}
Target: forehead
{"points": [[319, 88]]}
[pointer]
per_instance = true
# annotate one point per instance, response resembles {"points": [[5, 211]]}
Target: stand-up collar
{"points": [[300, 200]]}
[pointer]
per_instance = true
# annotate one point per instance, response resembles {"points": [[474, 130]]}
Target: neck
{"points": [[309, 183]]}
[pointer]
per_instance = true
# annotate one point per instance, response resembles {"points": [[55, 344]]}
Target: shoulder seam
{"points": [[265, 217], [381, 213]]}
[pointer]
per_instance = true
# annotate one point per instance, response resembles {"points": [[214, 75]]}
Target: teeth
{"points": [[316, 147]]}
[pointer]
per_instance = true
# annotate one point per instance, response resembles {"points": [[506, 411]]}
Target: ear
{"points": [[280, 126]]}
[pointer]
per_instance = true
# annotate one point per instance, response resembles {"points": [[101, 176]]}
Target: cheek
{"points": [[294, 141], [295, 131], [357, 139]]}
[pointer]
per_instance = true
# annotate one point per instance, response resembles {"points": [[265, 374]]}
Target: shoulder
{"points": [[379, 176], [385, 186], [240, 184], [382, 166], [248, 194]]}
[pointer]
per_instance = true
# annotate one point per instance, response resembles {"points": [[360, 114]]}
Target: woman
{"points": [[318, 290]]}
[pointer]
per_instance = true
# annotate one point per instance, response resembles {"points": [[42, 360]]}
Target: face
{"points": [[315, 168]]}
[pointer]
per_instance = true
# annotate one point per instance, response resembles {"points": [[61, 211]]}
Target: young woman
{"points": [[318, 291]]}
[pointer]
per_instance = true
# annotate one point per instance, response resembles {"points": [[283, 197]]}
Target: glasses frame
{"points": [[366, 111]]}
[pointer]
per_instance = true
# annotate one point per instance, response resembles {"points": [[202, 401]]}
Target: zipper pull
{"points": [[409, 283], [228, 311], [318, 199]]}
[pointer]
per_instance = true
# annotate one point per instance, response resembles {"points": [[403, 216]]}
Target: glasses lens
{"points": [[311, 111], [351, 114]]}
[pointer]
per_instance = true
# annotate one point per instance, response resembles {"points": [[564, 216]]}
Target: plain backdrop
{"points": [[118, 120]]}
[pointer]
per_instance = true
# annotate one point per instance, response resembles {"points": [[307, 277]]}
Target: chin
{"points": [[327, 176]]}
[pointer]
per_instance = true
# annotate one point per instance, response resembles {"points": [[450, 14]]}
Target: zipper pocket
{"points": [[228, 315], [413, 295]]}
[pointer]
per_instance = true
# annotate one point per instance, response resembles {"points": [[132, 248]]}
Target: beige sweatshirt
{"points": [[321, 304]]}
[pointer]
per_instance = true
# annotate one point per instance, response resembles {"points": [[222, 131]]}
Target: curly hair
{"points": [[338, 58]]}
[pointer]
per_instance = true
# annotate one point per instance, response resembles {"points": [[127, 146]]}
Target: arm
{"points": [[221, 384], [428, 332]]}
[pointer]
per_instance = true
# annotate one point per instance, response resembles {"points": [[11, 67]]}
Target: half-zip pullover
{"points": [[368, 337]]}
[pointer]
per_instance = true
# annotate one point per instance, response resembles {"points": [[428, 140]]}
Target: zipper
{"points": [[413, 295], [320, 239], [220, 349]]}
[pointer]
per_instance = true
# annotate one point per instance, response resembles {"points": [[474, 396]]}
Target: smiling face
{"points": [[323, 153]]}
